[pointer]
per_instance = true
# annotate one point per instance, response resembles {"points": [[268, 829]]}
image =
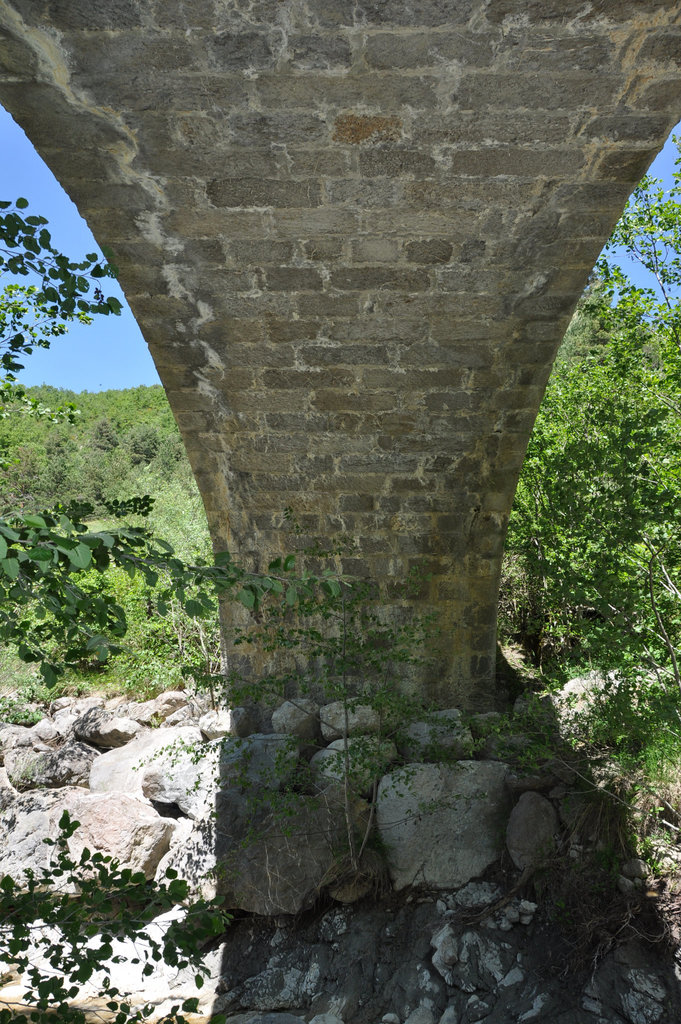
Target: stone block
{"points": [[237, 192], [531, 831], [420, 12], [254, 129], [363, 278], [393, 163], [319, 51], [243, 51], [429, 250], [291, 279], [363, 193], [386, 51], [260, 251], [323, 248]]}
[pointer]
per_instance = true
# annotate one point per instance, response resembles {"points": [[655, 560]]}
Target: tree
{"points": [[595, 531], [34, 314]]}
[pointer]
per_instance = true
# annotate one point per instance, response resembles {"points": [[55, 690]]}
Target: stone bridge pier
{"points": [[353, 233]]}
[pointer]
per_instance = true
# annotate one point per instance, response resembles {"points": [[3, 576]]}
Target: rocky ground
{"points": [[481, 895]]}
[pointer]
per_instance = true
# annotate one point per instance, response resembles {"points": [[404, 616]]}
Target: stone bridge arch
{"points": [[352, 233]]}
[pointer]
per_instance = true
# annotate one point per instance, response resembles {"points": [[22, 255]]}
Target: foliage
{"points": [[594, 548], [33, 315], [63, 923], [16, 711], [47, 597], [120, 444]]}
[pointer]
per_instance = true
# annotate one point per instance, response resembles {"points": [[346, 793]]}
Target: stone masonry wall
{"points": [[353, 234]]}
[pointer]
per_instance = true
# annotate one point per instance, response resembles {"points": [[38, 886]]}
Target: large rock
{"points": [[7, 791], [442, 736], [13, 736], [192, 855], [217, 722], [362, 718], [265, 859], [103, 729], [112, 823], [266, 760], [121, 770], [45, 731], [442, 825], [156, 711], [274, 861], [298, 717], [531, 831], [68, 766], [186, 775], [368, 759], [578, 698]]}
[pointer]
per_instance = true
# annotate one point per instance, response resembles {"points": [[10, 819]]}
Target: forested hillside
{"points": [[120, 444], [117, 440]]}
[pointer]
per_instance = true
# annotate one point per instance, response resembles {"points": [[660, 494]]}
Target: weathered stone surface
{"points": [[442, 825], [297, 718], [578, 696], [45, 731], [156, 711], [7, 790], [185, 776], [64, 721], [368, 759], [261, 860], [121, 770], [192, 855], [116, 824], [12, 736], [68, 766], [280, 870], [215, 724], [531, 830], [262, 760], [362, 718], [103, 729], [442, 736]]}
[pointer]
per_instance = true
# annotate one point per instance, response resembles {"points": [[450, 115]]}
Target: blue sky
{"points": [[111, 353]]}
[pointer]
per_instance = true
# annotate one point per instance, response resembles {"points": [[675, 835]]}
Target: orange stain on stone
{"points": [[356, 128]]}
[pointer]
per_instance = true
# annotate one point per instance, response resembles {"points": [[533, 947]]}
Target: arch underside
{"points": [[353, 235]]}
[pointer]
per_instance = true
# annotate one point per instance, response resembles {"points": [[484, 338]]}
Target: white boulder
{"points": [[362, 718], [442, 825]]}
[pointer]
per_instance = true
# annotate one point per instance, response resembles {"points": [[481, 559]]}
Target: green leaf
{"points": [[21, 203], [10, 567], [40, 554], [81, 556], [49, 675], [246, 598], [35, 521]]}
